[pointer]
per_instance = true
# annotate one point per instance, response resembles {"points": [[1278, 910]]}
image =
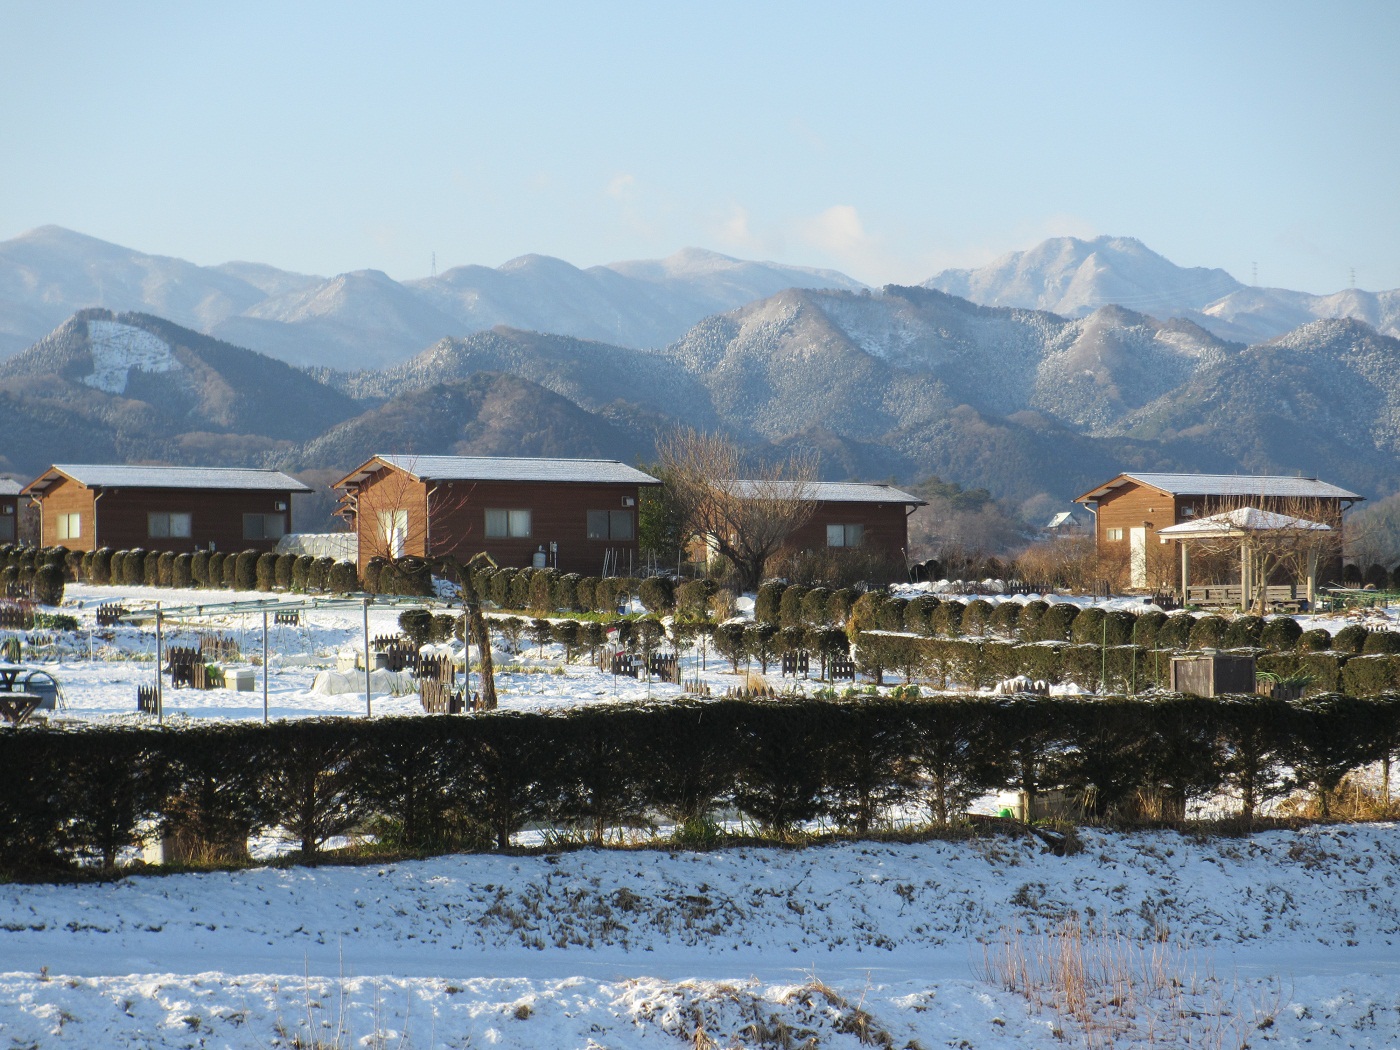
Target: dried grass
{"points": [[1118, 992]]}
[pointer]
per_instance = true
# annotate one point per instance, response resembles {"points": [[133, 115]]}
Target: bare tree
{"points": [[745, 515], [477, 628]]}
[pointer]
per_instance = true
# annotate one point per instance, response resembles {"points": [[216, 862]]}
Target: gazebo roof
{"points": [[1241, 522]]}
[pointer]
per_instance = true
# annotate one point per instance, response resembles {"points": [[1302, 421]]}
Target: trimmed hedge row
{"points": [[37, 573], [442, 783], [1125, 668], [236, 570]]}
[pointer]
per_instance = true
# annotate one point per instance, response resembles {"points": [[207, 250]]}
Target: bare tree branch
{"points": [[746, 515]]}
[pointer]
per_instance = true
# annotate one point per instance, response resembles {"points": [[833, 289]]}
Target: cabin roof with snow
{"points": [[1224, 485], [502, 468], [830, 491], [10, 487], [109, 476]]}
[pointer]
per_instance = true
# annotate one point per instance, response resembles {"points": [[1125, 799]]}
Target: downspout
{"points": [[97, 495], [908, 513], [428, 521]]}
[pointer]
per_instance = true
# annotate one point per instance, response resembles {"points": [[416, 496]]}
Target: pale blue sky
{"points": [[886, 140]]}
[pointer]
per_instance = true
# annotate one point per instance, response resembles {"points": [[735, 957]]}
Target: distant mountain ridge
{"points": [[365, 319], [1073, 277]]}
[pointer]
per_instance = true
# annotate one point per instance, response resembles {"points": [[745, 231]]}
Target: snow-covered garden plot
{"points": [[1284, 939], [100, 669]]}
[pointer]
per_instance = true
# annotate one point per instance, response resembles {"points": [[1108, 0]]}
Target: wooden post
{"points": [[1244, 576], [264, 666], [369, 706], [160, 646]]}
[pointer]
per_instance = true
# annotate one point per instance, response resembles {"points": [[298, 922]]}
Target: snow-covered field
{"points": [[100, 671], [1285, 939], [1281, 940]]}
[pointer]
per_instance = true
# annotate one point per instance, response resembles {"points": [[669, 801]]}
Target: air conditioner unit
{"points": [[280, 505], [629, 501]]}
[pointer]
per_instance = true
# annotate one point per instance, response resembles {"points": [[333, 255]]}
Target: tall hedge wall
{"points": [[448, 782]]}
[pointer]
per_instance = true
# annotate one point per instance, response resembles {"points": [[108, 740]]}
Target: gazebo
{"points": [[1251, 527]]}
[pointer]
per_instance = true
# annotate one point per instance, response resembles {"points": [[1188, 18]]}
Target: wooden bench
{"points": [[15, 708], [1228, 596]]}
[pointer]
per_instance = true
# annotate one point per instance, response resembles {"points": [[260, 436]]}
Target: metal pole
{"points": [[160, 640], [369, 710], [264, 665]]}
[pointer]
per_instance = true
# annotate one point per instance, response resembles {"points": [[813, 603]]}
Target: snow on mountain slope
{"points": [[55, 272], [118, 348], [1073, 277], [1258, 314]]}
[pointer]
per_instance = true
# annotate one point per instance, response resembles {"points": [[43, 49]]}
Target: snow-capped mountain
{"points": [[1073, 277], [365, 319]]}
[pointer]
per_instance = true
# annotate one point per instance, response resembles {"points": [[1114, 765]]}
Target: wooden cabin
{"points": [[848, 515], [576, 515], [1130, 509], [84, 507], [9, 509]]}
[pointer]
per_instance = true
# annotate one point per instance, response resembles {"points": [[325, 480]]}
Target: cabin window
{"points": [[264, 526], [70, 526], [1113, 534], [844, 535], [610, 525], [169, 525], [507, 524]]}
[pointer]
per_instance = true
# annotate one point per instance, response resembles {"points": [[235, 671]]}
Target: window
{"points": [[168, 524], [844, 535], [70, 526], [1113, 534], [264, 526], [610, 525], [507, 524], [393, 526]]}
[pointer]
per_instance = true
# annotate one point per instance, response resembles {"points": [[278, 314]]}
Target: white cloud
{"points": [[837, 230], [622, 186]]}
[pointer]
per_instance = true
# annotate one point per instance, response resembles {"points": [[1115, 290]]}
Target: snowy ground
{"points": [[100, 672], [1286, 939]]}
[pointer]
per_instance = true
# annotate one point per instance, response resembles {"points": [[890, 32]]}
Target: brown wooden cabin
{"points": [[576, 515], [850, 514], [9, 509], [1131, 508], [84, 507]]}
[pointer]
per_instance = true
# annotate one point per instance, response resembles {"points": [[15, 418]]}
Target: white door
{"points": [[395, 526], [1137, 557]]}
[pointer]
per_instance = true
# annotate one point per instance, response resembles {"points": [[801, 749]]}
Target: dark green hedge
{"points": [[436, 783]]}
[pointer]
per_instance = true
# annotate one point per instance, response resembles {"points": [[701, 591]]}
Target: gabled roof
{"points": [[9, 487], [1241, 521], [111, 476], [829, 491], [1225, 485], [502, 468]]}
